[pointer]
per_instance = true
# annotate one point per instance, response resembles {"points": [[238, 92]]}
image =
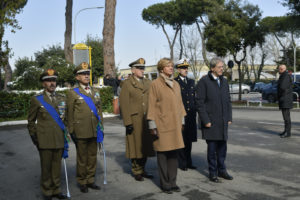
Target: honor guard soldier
{"points": [[189, 132], [84, 116], [134, 107], [47, 135]]}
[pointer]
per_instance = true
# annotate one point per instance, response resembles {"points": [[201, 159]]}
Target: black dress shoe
{"points": [[84, 189], [281, 134], [214, 179], [183, 168], [176, 189], [138, 177], [147, 175], [225, 175], [192, 167], [93, 186], [285, 136], [60, 196], [167, 191], [47, 197]]}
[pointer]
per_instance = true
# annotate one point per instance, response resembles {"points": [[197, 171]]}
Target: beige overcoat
{"points": [[167, 110], [134, 107]]}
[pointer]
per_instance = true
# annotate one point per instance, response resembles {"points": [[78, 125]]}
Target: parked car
{"points": [[270, 93], [259, 86], [234, 88]]}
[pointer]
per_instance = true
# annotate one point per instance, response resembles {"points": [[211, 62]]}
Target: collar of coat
{"points": [[213, 78], [135, 83]]}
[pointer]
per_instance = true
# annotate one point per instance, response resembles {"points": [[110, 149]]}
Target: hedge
{"points": [[15, 105]]}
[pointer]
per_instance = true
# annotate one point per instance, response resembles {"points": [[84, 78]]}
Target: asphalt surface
{"points": [[264, 166]]}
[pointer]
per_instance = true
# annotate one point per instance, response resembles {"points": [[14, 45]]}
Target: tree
{"points": [[283, 27], [68, 33], [196, 11], [162, 14], [97, 56], [108, 37], [293, 5], [8, 11], [53, 57], [233, 28]]}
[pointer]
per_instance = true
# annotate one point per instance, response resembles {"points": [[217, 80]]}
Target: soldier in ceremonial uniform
{"points": [[189, 132], [47, 135], [134, 107], [82, 126]]}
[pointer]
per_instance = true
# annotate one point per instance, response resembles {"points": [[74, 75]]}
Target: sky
{"points": [[43, 25]]}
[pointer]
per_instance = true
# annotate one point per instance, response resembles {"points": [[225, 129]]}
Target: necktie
{"points": [[52, 97], [184, 80], [218, 80]]}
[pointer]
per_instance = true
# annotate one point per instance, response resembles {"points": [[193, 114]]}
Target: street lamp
{"points": [[76, 18]]}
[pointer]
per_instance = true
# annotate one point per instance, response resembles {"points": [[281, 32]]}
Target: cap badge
{"points": [[50, 72], [84, 65], [141, 61]]}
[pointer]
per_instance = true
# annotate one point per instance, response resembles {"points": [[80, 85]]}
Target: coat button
{"points": [[188, 102]]}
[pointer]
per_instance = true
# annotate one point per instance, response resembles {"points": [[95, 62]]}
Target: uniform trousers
{"points": [[50, 170], [184, 154], [167, 167], [86, 160], [287, 120], [138, 165], [216, 155]]}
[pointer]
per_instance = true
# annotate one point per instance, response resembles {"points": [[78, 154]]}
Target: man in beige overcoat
{"points": [[47, 135], [134, 107], [82, 126]]}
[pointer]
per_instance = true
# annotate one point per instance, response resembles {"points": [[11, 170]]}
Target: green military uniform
{"points": [[50, 141], [134, 106], [83, 123]]}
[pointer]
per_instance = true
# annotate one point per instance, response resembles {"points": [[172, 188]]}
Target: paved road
{"points": [[264, 166]]}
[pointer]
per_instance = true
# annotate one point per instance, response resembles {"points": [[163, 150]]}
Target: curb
{"points": [[262, 108], [22, 122]]}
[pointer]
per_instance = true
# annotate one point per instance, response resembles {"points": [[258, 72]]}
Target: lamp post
{"points": [[76, 18]]}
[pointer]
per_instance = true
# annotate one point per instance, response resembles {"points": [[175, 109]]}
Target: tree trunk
{"points": [[180, 42], [68, 32], [204, 55], [108, 37], [8, 75]]}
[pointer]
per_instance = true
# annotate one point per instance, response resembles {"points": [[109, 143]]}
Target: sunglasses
{"points": [[184, 67]]}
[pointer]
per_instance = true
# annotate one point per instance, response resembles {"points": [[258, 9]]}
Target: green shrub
{"points": [[16, 105]]}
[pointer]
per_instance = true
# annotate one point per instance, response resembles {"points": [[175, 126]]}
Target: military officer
{"points": [[47, 135], [189, 132], [134, 107], [82, 125]]}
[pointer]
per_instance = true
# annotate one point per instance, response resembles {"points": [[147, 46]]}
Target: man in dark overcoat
{"points": [[214, 107], [47, 135], [189, 132], [134, 108], [83, 125], [285, 99]]}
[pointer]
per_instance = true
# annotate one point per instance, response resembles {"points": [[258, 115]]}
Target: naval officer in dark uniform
{"points": [[189, 132]]}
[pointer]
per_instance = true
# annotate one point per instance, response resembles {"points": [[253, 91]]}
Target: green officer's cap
{"points": [[48, 74], [83, 67], [138, 63]]}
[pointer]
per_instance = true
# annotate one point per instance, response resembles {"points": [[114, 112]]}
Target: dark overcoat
{"points": [[285, 91], [134, 108], [188, 100], [214, 106]]}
